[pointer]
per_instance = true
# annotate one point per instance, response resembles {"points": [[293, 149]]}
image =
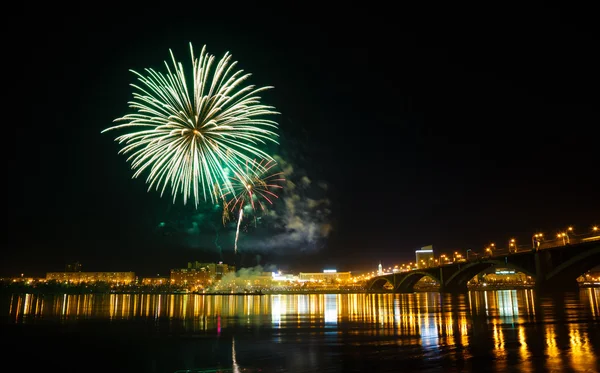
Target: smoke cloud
{"points": [[245, 275], [298, 220]]}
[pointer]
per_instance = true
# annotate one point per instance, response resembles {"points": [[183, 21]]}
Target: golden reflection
{"points": [[464, 329], [593, 294], [503, 323], [529, 302], [552, 351], [498, 334], [524, 353], [583, 358], [430, 319]]}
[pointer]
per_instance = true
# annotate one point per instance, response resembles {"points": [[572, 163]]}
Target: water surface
{"points": [[482, 331]]}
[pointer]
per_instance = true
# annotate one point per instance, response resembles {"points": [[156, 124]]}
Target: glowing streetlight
{"points": [[563, 235], [512, 246], [536, 240]]}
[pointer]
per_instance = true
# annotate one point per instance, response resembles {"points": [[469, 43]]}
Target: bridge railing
{"points": [[571, 239]]}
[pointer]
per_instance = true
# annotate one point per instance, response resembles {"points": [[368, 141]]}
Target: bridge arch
{"points": [[407, 282], [379, 283], [402, 282], [568, 271], [458, 281]]}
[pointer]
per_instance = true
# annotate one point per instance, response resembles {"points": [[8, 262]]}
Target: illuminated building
{"points": [[283, 277], [264, 279], [222, 269], [27, 280], [424, 257], [327, 276], [77, 277], [200, 274], [186, 276], [155, 281], [211, 268], [506, 275]]}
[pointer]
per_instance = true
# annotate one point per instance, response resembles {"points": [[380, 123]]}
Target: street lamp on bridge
{"points": [[490, 249], [563, 235], [512, 246], [536, 240]]}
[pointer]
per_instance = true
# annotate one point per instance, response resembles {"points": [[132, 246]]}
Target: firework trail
{"points": [[216, 241], [251, 188], [188, 134], [237, 231]]}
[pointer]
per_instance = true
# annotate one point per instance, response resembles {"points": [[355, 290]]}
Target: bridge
{"points": [[555, 266]]}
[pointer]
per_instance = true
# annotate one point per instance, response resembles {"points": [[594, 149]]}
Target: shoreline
{"points": [[283, 292]]}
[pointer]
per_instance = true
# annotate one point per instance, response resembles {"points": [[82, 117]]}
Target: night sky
{"points": [[406, 127]]}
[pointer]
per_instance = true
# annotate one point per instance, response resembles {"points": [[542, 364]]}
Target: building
{"points": [[222, 269], [211, 268], [155, 281], [73, 267], [187, 276], [327, 276], [122, 278], [255, 280], [282, 278], [505, 275], [424, 257], [200, 274]]}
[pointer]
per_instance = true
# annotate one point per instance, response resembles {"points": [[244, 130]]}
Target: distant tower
{"points": [[380, 268], [73, 267]]}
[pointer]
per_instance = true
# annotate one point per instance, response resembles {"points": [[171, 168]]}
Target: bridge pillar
{"points": [[453, 289], [541, 266], [556, 287]]}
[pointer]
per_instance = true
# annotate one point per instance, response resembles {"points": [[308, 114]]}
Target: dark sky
{"points": [[436, 125]]}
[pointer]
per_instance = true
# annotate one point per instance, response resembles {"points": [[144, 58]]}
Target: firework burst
{"points": [[187, 135]]}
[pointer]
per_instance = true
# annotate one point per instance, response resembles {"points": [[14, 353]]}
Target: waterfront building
{"points": [[221, 269], [327, 276], [281, 278], [23, 279], [77, 277], [424, 257], [186, 276], [199, 274], [500, 276], [155, 281], [211, 268]]}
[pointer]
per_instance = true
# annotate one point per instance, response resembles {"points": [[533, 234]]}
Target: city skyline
{"points": [[426, 128]]}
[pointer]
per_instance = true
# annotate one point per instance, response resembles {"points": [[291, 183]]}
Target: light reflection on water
{"points": [[491, 331]]}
